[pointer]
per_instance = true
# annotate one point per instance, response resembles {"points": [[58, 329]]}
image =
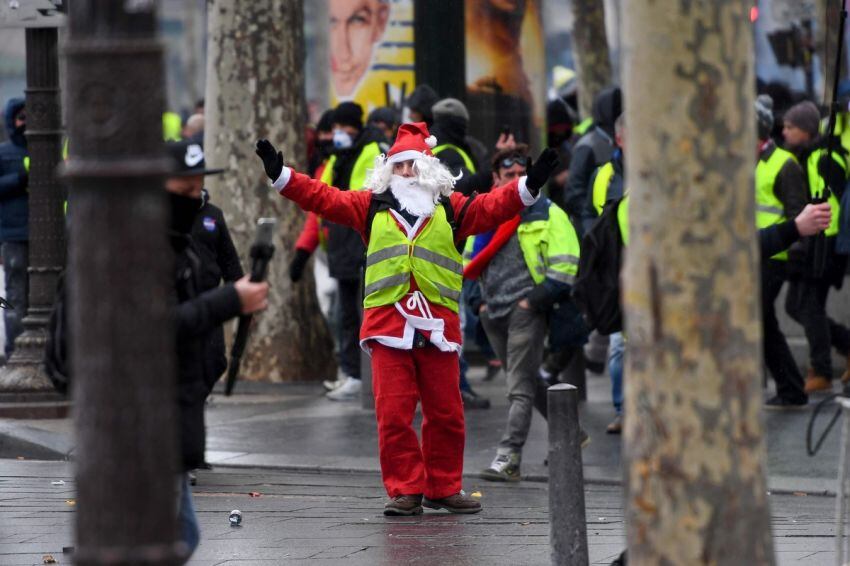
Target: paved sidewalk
{"points": [[292, 426], [335, 518]]}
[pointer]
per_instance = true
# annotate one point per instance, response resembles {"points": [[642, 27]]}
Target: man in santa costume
{"points": [[412, 222]]}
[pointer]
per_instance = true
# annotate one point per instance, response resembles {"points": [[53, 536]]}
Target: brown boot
{"points": [[404, 505], [457, 503], [845, 377], [817, 384]]}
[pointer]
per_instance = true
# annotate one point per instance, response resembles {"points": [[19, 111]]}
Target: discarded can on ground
{"points": [[235, 518]]}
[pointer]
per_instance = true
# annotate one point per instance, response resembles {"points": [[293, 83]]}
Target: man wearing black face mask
{"points": [[14, 219], [199, 315], [355, 150]]}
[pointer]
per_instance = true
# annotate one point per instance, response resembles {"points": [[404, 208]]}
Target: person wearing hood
{"points": [[355, 150], [412, 221], [418, 105], [199, 314], [593, 150], [14, 219]]}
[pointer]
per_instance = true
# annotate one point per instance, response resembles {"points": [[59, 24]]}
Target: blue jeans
{"points": [[616, 350], [187, 521]]}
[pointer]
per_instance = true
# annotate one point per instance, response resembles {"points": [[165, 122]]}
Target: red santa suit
{"points": [[401, 373]]}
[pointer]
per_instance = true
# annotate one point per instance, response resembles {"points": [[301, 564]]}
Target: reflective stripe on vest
{"points": [[817, 186], [365, 161], [769, 209], [600, 186], [431, 257], [466, 159], [582, 127]]}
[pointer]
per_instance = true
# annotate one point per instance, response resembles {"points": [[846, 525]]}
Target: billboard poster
{"points": [[506, 69], [371, 51]]}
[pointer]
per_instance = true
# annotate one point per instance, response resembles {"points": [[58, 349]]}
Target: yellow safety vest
{"points": [[171, 126], [623, 219], [769, 209], [550, 247], [817, 186], [600, 186], [431, 258], [467, 161], [365, 161]]}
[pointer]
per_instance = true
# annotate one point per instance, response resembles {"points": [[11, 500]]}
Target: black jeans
{"points": [[806, 304], [777, 354], [350, 311]]}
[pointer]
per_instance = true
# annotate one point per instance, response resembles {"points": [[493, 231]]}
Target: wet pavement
{"points": [[335, 518]]}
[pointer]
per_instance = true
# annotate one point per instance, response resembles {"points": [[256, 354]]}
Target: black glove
{"points": [[272, 159], [539, 171], [296, 267]]}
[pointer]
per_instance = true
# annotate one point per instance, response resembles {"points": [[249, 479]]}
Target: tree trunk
{"points": [[826, 44], [255, 79], [693, 440], [590, 48]]}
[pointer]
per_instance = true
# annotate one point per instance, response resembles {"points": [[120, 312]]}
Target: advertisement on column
{"points": [[371, 51], [505, 69]]}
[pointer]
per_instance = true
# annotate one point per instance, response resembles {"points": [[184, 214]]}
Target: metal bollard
{"points": [[567, 522], [367, 399]]}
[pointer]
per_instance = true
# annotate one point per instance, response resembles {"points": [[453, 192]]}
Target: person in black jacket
{"points": [[199, 315], [14, 219]]}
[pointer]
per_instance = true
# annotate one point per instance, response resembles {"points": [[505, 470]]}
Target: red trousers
{"points": [[400, 378]]}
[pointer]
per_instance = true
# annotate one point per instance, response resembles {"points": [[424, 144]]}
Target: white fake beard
{"points": [[413, 197]]}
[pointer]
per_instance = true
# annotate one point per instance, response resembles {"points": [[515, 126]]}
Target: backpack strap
{"points": [[378, 203]]}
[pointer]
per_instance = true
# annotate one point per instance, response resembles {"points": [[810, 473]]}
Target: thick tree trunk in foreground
{"points": [[590, 47], [693, 439], [255, 78]]}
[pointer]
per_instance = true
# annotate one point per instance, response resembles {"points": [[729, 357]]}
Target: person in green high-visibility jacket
{"points": [[826, 177], [780, 194], [524, 267], [412, 221]]}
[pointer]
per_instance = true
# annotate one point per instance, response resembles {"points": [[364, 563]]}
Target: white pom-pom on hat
{"points": [[431, 141]]}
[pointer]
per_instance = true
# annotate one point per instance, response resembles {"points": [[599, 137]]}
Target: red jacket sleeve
{"points": [[308, 240], [489, 210], [349, 208]]}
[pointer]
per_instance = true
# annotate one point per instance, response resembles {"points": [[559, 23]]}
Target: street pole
{"points": [[24, 372], [567, 522], [120, 283]]}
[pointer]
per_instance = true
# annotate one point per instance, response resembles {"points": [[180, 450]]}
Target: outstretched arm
{"points": [[349, 208]]}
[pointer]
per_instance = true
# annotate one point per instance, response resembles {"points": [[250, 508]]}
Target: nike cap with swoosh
{"points": [[188, 159]]}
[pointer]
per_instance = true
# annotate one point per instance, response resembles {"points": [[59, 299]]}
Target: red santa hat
{"points": [[411, 142]]}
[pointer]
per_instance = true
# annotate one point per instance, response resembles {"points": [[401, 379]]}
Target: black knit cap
{"points": [[349, 114], [326, 121]]}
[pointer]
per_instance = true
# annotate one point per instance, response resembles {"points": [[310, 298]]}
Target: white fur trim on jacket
{"points": [[524, 194], [283, 180]]}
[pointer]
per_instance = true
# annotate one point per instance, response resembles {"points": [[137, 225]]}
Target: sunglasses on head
{"points": [[512, 160]]}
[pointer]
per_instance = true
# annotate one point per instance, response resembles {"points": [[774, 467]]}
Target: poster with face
{"points": [[371, 51], [505, 69]]}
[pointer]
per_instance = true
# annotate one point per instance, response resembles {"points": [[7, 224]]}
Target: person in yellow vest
{"points": [[451, 120], [412, 221], [807, 294], [607, 184], [781, 194], [354, 153], [524, 267]]}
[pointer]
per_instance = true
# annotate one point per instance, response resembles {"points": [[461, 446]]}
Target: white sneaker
{"points": [[348, 391], [331, 385]]}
